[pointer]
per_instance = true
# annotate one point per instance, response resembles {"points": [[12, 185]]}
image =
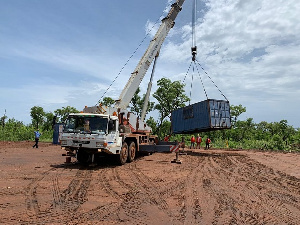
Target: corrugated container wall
{"points": [[57, 131], [207, 115]]}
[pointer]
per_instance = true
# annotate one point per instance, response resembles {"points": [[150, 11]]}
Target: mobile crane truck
{"points": [[102, 130]]}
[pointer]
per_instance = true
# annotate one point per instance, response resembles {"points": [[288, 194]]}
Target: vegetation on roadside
{"points": [[170, 95], [14, 130]]}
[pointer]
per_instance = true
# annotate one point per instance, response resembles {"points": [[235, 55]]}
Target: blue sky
{"points": [[56, 53]]}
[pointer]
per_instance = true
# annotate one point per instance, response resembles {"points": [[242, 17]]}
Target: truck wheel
{"points": [[83, 157], [123, 154], [131, 151]]}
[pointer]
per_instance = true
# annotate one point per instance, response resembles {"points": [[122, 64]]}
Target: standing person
{"points": [[198, 141], [192, 142], [37, 135], [182, 143], [207, 142]]}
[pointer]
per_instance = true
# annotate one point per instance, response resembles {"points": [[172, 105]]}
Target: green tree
{"points": [[296, 139], [63, 113], [37, 114], [235, 112], [152, 123], [262, 131], [170, 96], [15, 130], [247, 128], [137, 104], [107, 101], [283, 131], [165, 128], [49, 117], [2, 120]]}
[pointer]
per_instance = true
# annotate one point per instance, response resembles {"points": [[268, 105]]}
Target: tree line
{"points": [[244, 134], [14, 130]]}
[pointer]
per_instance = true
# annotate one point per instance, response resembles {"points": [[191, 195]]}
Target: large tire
{"points": [[131, 151], [123, 154], [83, 157]]}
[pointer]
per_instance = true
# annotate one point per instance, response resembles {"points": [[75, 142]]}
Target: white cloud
{"points": [[250, 49], [168, 7], [152, 27], [63, 58]]}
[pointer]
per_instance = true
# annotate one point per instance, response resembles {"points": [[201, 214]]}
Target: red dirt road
{"points": [[209, 187]]}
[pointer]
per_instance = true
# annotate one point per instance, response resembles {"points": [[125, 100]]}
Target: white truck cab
{"points": [[96, 132]]}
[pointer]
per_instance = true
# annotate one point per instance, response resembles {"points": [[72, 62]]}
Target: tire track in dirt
{"points": [[31, 201], [138, 190], [73, 196], [141, 191], [210, 200], [210, 188], [57, 198], [149, 186], [99, 214], [191, 210], [280, 192], [111, 184], [64, 204], [235, 201], [254, 182], [123, 185]]}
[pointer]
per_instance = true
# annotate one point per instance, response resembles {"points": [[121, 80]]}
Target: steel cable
{"points": [[147, 34], [192, 85], [201, 81], [187, 72], [212, 81]]}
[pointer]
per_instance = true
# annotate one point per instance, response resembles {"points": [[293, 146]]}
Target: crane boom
{"points": [[149, 55], [103, 130]]}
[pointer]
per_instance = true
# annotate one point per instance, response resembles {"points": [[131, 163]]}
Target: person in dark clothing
{"points": [[37, 135]]}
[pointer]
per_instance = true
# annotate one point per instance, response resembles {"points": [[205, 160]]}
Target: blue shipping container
{"points": [[57, 131], [207, 115]]}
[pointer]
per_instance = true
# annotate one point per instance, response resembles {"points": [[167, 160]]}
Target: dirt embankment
{"points": [[209, 187]]}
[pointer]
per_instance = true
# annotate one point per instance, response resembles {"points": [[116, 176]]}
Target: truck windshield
{"points": [[86, 124]]}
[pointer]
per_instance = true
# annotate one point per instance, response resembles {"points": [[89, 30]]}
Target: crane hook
{"points": [[194, 52]]}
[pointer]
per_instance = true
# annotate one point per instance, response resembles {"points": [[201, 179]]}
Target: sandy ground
{"points": [[209, 187]]}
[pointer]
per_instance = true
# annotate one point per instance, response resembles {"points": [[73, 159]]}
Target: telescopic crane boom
{"points": [[103, 130], [149, 55]]}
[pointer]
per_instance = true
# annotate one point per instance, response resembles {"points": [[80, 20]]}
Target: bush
{"points": [[16, 131]]}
